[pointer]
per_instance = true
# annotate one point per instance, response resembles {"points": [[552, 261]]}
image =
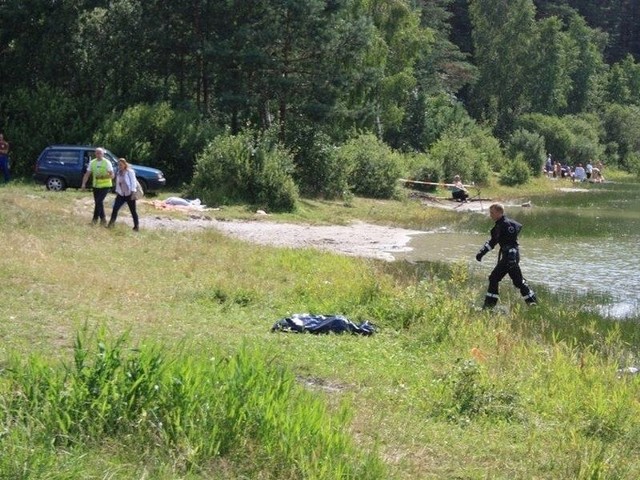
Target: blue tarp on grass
{"points": [[304, 322]]}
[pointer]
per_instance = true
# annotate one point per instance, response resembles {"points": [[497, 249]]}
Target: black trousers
{"points": [[499, 272], [4, 167], [99, 194], [460, 195], [120, 200]]}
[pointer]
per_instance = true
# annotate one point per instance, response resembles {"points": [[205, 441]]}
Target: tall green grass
{"points": [[189, 410]]}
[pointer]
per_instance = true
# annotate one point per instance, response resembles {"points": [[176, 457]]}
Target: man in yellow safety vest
{"points": [[101, 170]]}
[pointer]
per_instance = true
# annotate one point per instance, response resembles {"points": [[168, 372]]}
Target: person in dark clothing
{"points": [[504, 233], [4, 158]]}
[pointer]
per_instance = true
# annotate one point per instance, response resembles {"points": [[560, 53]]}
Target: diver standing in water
{"points": [[504, 233]]}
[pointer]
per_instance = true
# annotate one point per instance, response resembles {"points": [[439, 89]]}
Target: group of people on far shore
{"points": [[577, 173]]}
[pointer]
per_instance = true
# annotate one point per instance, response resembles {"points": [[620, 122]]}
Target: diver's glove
{"points": [[482, 252]]}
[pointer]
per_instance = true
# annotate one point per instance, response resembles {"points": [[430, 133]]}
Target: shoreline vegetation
{"points": [[150, 355]]}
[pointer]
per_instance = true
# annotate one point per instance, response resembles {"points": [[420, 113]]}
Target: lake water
{"points": [[607, 267]]}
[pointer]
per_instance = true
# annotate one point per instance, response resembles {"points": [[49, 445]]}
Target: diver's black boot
{"points": [[490, 301]]}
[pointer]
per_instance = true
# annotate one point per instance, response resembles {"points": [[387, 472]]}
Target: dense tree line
{"points": [[158, 81]]}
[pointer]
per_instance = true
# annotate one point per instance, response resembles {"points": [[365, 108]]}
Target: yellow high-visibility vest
{"points": [[100, 172]]}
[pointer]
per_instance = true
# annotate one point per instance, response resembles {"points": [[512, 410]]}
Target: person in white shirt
{"points": [[589, 169], [126, 189], [579, 174], [458, 190]]}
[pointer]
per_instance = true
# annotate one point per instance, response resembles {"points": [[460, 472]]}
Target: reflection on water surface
{"points": [[610, 267]]}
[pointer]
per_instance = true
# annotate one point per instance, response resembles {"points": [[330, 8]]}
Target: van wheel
{"points": [[55, 184]]}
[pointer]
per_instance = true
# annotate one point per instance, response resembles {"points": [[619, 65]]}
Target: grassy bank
{"points": [[150, 356]]}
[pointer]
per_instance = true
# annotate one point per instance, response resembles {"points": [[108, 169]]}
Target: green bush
{"points": [[222, 171], [245, 169], [274, 188], [466, 156], [374, 167], [632, 162], [622, 129], [425, 170], [157, 135], [488, 154], [558, 138], [319, 171], [515, 172], [612, 153], [587, 133], [572, 139], [531, 146], [480, 172], [453, 156], [442, 115]]}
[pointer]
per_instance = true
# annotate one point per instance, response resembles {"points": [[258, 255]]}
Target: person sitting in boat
{"points": [[458, 190]]}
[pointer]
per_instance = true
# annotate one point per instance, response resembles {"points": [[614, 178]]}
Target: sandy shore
{"points": [[357, 239]]}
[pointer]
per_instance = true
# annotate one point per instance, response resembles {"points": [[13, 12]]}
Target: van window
{"points": [[63, 157]]}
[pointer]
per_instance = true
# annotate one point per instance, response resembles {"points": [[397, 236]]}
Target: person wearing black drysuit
{"points": [[504, 233]]}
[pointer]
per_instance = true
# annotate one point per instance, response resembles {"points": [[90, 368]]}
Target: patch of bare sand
{"points": [[568, 189], [356, 239]]}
